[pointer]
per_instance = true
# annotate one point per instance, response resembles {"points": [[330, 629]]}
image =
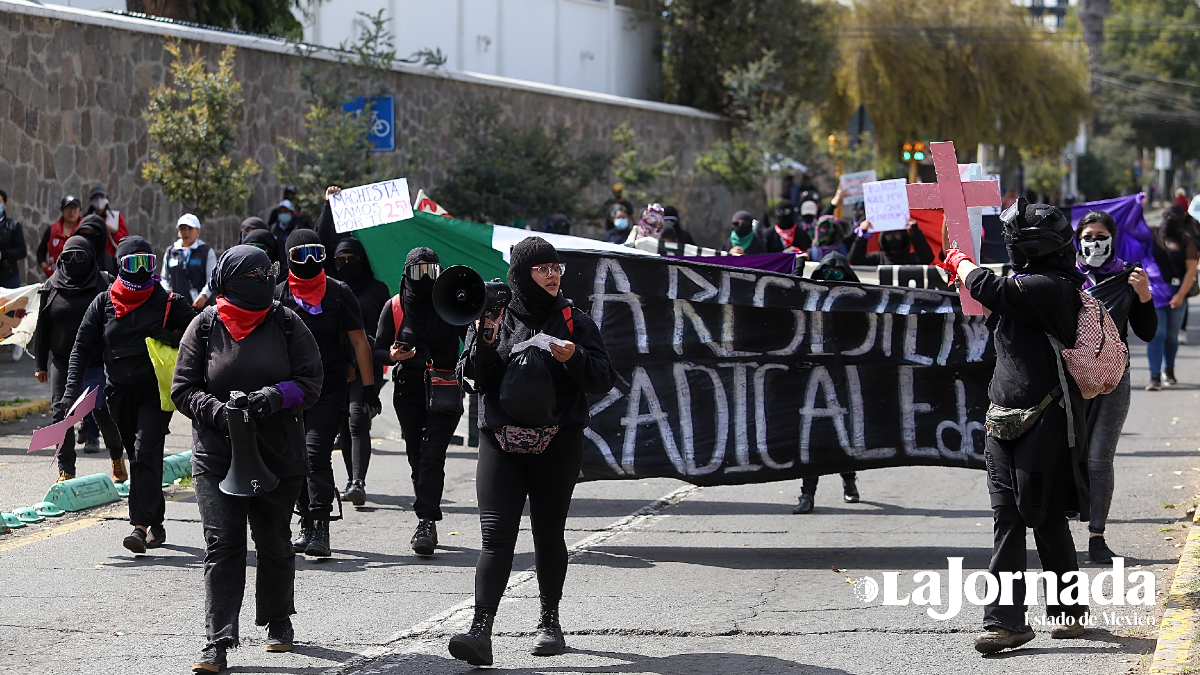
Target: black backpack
{"points": [[527, 392]]}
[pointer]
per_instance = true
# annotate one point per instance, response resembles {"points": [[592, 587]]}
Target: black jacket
{"points": [[208, 370], [123, 341], [59, 315], [12, 246], [481, 366], [438, 346]]}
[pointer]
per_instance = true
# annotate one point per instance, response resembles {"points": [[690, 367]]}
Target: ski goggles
{"points": [[269, 273], [301, 254], [417, 271], [260, 247], [136, 261], [75, 256], [833, 275]]}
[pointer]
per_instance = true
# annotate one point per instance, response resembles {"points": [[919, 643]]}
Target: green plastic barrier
{"points": [[177, 466], [27, 515], [11, 521], [48, 510], [83, 492], [123, 490]]}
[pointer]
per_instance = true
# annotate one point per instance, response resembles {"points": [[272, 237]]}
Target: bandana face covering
{"points": [[1095, 252]]}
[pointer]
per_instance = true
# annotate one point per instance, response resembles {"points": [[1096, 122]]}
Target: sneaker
{"points": [[1155, 383], [212, 660], [1169, 377], [1099, 552], [280, 636], [356, 493], [63, 475], [91, 446], [158, 536], [424, 540], [120, 472], [996, 638], [136, 542], [805, 505], [1183, 336]]}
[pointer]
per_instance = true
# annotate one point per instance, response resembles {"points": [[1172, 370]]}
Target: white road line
{"points": [[463, 611]]}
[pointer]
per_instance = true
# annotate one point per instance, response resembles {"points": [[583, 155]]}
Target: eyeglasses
{"points": [[417, 271], [545, 271], [135, 261], [75, 256], [264, 273], [300, 254]]}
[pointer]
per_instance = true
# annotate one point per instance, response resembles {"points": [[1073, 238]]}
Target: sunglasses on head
{"points": [[75, 256], [420, 270], [136, 261], [300, 254]]}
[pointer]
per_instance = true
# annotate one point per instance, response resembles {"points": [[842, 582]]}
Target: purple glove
{"points": [[292, 395]]}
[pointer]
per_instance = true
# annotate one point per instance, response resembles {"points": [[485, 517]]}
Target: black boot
{"points": [[318, 543], [805, 505], [424, 540], [1099, 552], [849, 490], [549, 640], [300, 543], [475, 645], [212, 659], [356, 494]]}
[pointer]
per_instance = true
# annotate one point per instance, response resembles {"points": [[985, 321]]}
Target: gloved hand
{"points": [[370, 400], [954, 257], [222, 419], [265, 401]]}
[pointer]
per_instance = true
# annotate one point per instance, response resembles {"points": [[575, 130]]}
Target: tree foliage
{"points": [[500, 165], [264, 17], [637, 175], [735, 164], [195, 123]]}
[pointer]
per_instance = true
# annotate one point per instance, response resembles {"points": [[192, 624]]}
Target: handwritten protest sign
{"points": [[370, 205], [887, 204], [851, 184]]}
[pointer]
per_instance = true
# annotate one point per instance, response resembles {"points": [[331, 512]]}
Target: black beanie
{"points": [[310, 268], [421, 254], [528, 298], [133, 244], [301, 237]]}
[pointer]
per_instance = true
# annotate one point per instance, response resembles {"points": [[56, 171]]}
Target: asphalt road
{"points": [[665, 578]]}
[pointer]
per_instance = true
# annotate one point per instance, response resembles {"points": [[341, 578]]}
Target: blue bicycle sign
{"points": [[382, 134]]}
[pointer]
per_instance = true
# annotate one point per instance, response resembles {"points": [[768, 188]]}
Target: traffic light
{"points": [[918, 151], [908, 152]]}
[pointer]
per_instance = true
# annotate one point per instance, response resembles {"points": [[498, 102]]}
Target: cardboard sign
{"points": [[852, 185], [366, 206], [887, 204]]}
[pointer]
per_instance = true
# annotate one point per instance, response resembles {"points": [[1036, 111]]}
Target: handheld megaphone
{"points": [[248, 476], [460, 296]]}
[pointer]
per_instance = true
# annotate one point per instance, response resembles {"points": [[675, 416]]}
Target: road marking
{"points": [[462, 612], [1176, 633], [74, 525]]}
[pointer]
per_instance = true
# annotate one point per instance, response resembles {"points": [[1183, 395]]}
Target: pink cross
{"points": [[952, 196]]}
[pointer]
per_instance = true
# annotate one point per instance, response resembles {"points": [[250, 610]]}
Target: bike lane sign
{"points": [[382, 134]]}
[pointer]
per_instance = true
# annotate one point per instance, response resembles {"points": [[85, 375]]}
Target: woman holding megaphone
{"points": [[533, 410], [247, 343]]}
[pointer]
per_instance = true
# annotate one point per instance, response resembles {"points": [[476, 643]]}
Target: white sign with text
{"points": [[887, 204], [366, 206]]}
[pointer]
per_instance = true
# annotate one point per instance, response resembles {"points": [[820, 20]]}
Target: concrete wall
{"points": [[75, 83]]}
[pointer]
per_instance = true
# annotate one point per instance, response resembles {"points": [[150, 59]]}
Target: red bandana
{"points": [[786, 236], [311, 291], [239, 322], [126, 299]]}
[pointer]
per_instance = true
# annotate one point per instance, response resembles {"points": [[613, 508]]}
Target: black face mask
{"points": [[138, 278], [349, 270], [1019, 259], [306, 270], [250, 292], [78, 270], [744, 227], [894, 242], [786, 220]]}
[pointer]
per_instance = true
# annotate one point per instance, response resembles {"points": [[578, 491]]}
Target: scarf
{"points": [[76, 276], [239, 322], [786, 236], [740, 240], [127, 296], [528, 298], [310, 291]]}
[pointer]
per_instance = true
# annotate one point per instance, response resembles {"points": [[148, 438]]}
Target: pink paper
{"points": [[52, 436]]}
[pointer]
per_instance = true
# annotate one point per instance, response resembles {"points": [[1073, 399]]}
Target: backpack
{"points": [[1097, 361], [527, 393]]}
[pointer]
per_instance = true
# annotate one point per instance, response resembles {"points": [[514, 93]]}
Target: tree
{"points": [[266, 17], [196, 122], [500, 165], [637, 175]]}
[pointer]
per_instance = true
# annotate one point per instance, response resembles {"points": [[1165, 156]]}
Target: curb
{"points": [[1182, 616], [11, 413]]}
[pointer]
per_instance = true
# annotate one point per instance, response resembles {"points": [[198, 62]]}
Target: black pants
{"points": [[355, 435], [58, 383], [426, 437], [321, 423], [503, 481], [142, 424], [809, 486], [224, 520]]}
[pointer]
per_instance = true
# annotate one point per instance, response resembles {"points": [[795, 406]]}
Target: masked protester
{"points": [[896, 247], [330, 310], [63, 301], [117, 323], [671, 219], [746, 239], [247, 343], [1124, 290], [791, 235], [252, 224], [619, 232], [1034, 471], [518, 461], [420, 342], [649, 225], [265, 242], [283, 222], [115, 228], [92, 228], [353, 268], [827, 237], [1175, 256]]}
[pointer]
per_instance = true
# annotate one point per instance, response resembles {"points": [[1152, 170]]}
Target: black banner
{"points": [[741, 376]]}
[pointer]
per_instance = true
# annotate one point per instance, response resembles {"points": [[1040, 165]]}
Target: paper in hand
{"points": [[541, 341]]}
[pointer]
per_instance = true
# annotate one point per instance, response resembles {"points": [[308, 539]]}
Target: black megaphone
{"points": [[248, 476], [460, 296]]}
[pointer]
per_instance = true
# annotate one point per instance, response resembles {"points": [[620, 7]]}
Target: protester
{"points": [[558, 224], [93, 229], [57, 233], [619, 232], [518, 217], [671, 219], [289, 196], [1175, 255], [827, 237], [114, 223], [1034, 472], [650, 224], [62, 302], [1124, 289], [669, 235], [283, 223], [519, 460], [330, 310], [265, 242], [745, 237], [117, 322], [809, 210], [249, 344], [189, 262], [422, 341], [12, 252], [896, 247], [353, 269], [791, 235], [617, 201], [252, 224]]}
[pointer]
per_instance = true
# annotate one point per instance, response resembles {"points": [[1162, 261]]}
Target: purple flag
{"points": [[1136, 239], [784, 263]]}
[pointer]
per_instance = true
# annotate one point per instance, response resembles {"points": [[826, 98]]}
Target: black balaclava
{"points": [[128, 246], [1059, 262], [834, 261], [92, 228], [417, 296], [76, 276], [528, 298], [894, 243], [309, 268], [357, 275], [785, 214], [229, 278], [266, 240], [253, 222], [743, 223]]}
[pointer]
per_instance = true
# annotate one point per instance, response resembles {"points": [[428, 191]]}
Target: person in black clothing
{"points": [[618, 232], [1175, 255], [1124, 289], [671, 219], [518, 459], [791, 236], [283, 222], [746, 238], [330, 310], [896, 247], [265, 242], [1037, 475], [354, 269], [117, 322], [252, 224], [250, 344], [93, 229], [422, 341], [63, 300], [12, 246]]}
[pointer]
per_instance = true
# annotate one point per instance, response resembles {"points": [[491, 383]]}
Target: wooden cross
{"points": [[952, 196]]}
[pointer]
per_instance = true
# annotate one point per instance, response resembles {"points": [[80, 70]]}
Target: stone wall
{"points": [[75, 83]]}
